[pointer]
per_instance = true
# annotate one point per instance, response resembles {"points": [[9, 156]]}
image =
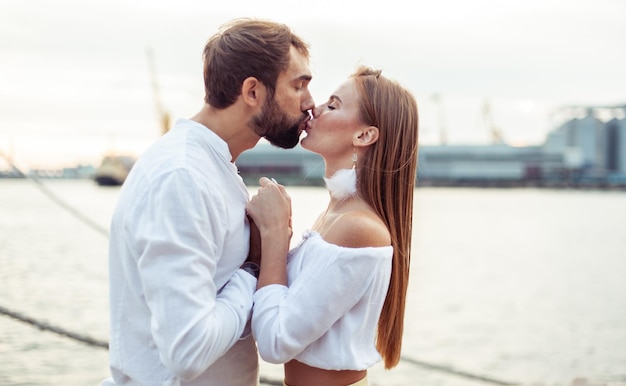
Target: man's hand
{"points": [[254, 254]]}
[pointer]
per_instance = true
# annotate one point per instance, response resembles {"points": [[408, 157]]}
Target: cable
{"points": [[58, 330], [463, 374], [58, 200], [102, 344]]}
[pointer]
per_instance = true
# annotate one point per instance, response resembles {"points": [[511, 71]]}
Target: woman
{"points": [[334, 305]]}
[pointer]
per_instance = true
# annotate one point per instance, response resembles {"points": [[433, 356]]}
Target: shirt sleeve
{"points": [[286, 320], [179, 238]]}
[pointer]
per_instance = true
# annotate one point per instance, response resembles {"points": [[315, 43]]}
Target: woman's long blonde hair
{"points": [[386, 176]]}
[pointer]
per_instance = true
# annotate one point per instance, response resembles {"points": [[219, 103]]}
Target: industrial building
{"points": [[291, 167], [588, 149]]}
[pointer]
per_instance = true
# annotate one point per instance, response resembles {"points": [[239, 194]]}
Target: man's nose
{"points": [[308, 103]]}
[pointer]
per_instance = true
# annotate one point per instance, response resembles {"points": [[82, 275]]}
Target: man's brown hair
{"points": [[246, 48]]}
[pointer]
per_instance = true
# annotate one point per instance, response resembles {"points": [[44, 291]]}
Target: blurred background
{"points": [[519, 252], [81, 79]]}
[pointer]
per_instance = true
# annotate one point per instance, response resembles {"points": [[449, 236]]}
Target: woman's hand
{"points": [[270, 209]]}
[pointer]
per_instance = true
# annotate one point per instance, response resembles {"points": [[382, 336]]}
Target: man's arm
{"points": [[180, 235]]}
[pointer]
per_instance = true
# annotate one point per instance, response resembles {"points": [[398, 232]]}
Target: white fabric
{"points": [[178, 235], [328, 314]]}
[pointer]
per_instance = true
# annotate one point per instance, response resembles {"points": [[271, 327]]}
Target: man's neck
{"points": [[230, 125]]}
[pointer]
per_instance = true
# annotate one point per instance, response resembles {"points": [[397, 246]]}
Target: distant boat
{"points": [[113, 170]]}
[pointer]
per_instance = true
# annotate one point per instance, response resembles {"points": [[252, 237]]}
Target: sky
{"points": [[75, 81]]}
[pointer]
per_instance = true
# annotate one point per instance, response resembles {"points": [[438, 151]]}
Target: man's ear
{"points": [[253, 92], [366, 136]]}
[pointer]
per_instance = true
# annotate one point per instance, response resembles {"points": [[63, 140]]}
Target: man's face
{"points": [[284, 116]]}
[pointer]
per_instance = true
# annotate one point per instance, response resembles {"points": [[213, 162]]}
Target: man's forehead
{"points": [[298, 69]]}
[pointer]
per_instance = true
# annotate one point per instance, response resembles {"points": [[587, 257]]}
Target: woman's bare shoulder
{"points": [[358, 229]]}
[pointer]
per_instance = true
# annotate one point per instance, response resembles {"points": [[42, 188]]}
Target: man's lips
{"points": [[306, 125]]}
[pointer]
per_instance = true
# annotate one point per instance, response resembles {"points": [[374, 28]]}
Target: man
{"points": [[179, 235]]}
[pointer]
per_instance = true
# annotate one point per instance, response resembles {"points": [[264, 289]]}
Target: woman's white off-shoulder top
{"points": [[328, 314]]}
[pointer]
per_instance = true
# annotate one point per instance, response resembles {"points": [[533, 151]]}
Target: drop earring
{"points": [[342, 184]]}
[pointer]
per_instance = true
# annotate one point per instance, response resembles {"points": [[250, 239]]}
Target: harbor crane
{"points": [[163, 115], [494, 132]]}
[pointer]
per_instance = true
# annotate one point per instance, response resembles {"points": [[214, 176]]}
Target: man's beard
{"points": [[276, 126]]}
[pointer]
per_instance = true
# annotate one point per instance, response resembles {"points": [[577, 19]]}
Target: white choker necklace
{"points": [[342, 184]]}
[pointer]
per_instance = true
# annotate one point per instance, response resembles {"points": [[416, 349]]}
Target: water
{"points": [[526, 286]]}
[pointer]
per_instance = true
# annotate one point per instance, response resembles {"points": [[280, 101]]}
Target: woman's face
{"points": [[334, 126]]}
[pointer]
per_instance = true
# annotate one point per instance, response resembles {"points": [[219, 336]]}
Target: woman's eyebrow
{"points": [[336, 98]]}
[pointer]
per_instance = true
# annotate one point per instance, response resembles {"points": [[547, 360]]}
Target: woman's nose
{"points": [[316, 111]]}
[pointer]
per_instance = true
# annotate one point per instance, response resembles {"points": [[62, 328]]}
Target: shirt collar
{"points": [[213, 140]]}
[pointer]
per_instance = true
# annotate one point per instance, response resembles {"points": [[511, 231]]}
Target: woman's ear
{"points": [[253, 92], [366, 136]]}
